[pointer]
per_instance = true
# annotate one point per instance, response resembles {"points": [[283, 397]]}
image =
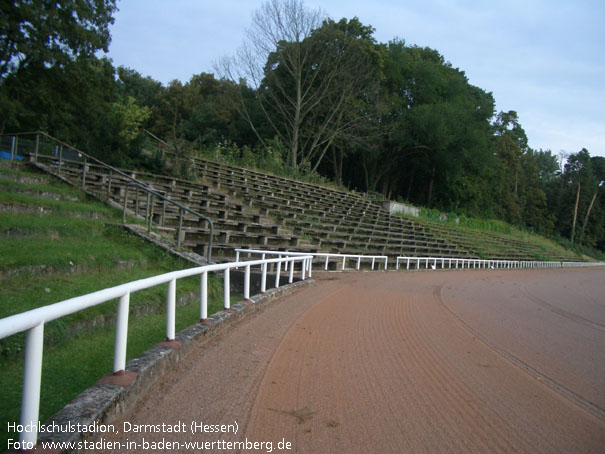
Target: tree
{"points": [[598, 167], [278, 30], [145, 90], [578, 181], [52, 32], [306, 73], [435, 127], [512, 143], [548, 165], [40, 42]]}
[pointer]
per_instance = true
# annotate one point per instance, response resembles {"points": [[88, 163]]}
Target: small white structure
{"points": [[397, 207]]}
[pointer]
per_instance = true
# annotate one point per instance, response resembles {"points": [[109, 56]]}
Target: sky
{"points": [[544, 59]]}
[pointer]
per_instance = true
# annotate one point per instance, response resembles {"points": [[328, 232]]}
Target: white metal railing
{"points": [[467, 263], [33, 321], [342, 258]]}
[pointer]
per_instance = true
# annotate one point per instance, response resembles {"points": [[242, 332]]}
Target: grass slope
{"points": [[496, 239], [56, 244]]}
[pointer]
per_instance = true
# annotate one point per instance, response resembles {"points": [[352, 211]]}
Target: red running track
{"points": [[430, 361]]}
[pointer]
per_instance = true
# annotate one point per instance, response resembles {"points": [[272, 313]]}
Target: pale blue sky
{"points": [[543, 58]]}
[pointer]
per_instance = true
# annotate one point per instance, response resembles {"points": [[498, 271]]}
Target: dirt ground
{"points": [[397, 362]]}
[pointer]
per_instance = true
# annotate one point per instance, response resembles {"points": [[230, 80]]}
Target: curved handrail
{"points": [[462, 262], [326, 255], [33, 321]]}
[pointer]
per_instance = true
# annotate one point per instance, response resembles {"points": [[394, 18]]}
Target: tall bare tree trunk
{"points": [[365, 172], [594, 197], [337, 161], [410, 185], [428, 203], [296, 124], [575, 214]]}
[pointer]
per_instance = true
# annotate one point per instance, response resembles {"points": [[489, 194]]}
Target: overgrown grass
{"points": [[455, 220], [57, 206], [21, 171], [105, 247], [63, 191], [580, 249], [490, 237], [272, 160]]}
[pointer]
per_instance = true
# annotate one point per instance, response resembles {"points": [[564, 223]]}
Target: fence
{"points": [[33, 321], [464, 263], [326, 256]]}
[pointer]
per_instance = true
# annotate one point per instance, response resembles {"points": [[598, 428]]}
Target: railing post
{"points": [[171, 310], [119, 357], [84, 174], [373, 261], [247, 282], [13, 147], [37, 147], [277, 271], [136, 201], [263, 279], [150, 207], [303, 268], [326, 265], [291, 276], [310, 267], [32, 377], [147, 205], [178, 241], [227, 290], [60, 157], [344, 259], [359, 263], [125, 200], [204, 296], [109, 184], [210, 242]]}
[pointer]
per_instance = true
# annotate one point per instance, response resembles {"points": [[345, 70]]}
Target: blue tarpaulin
{"points": [[7, 155]]}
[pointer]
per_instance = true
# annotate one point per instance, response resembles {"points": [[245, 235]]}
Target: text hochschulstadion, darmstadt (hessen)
{"points": [[126, 427]]}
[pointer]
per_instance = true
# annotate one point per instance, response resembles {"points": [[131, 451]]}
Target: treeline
{"points": [[308, 95]]}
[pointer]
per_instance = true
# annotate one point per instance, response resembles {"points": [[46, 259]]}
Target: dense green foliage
{"points": [[393, 118]]}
